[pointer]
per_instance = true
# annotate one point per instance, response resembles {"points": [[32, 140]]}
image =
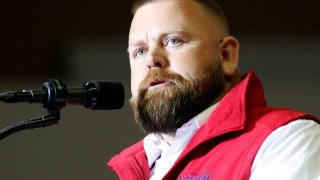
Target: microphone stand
{"points": [[56, 100]]}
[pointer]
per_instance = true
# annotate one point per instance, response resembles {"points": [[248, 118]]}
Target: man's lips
{"points": [[158, 83]]}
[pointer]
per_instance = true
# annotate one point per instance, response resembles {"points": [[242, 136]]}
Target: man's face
{"points": [[173, 46]]}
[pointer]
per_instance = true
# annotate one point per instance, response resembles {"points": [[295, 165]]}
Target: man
{"points": [[204, 120]]}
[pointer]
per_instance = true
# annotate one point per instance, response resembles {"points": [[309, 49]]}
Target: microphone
{"points": [[54, 95]]}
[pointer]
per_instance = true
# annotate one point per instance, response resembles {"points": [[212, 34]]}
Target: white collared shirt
{"points": [[281, 156]]}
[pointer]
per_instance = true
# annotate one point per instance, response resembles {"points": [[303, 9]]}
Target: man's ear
{"points": [[229, 54]]}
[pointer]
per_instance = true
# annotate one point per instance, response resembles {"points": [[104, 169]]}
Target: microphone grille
{"points": [[104, 95]]}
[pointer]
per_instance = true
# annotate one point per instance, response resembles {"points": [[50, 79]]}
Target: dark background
{"points": [[77, 41]]}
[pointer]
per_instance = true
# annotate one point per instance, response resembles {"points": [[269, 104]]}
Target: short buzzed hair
{"points": [[210, 5]]}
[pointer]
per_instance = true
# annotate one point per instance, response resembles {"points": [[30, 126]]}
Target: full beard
{"points": [[167, 108]]}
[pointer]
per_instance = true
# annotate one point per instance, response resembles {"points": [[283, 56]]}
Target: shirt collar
{"points": [[204, 115]]}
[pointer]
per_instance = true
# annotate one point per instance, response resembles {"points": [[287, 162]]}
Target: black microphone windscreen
{"points": [[110, 95]]}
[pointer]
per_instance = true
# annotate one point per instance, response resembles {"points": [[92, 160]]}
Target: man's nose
{"points": [[156, 58]]}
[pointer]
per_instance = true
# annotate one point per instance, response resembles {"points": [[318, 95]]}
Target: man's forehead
{"points": [[170, 14], [172, 11], [154, 16], [157, 19]]}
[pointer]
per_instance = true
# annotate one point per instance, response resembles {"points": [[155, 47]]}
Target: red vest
{"points": [[225, 146]]}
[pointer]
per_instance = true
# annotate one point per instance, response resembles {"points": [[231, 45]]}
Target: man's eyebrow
{"points": [[135, 44], [180, 32]]}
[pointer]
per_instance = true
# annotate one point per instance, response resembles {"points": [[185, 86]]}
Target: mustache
{"points": [[161, 75]]}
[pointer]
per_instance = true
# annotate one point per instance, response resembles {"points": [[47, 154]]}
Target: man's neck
{"points": [[168, 137]]}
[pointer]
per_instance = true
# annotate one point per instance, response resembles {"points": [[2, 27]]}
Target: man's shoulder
{"points": [[132, 152]]}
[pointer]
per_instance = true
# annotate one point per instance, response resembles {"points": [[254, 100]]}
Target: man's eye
{"points": [[141, 52], [173, 42]]}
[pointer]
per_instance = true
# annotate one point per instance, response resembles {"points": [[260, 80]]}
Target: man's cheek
{"points": [[135, 84]]}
